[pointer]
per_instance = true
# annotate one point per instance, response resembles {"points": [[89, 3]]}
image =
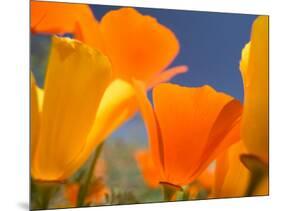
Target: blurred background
{"points": [[211, 45]]}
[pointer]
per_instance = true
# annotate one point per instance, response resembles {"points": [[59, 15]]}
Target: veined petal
{"points": [[117, 105], [186, 117], [75, 82], [61, 18], [225, 132], [255, 116], [35, 114], [137, 45]]}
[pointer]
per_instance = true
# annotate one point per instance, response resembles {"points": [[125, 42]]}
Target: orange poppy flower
{"points": [[137, 45], [188, 128], [254, 71]]}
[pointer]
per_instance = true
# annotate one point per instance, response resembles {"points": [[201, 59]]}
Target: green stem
{"points": [[85, 185], [46, 197], [169, 190], [46, 191]]}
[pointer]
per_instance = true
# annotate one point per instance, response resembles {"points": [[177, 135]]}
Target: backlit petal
{"points": [[40, 96], [224, 133], [117, 105], [61, 18], [75, 82], [186, 117], [244, 64], [138, 46], [255, 117], [35, 114], [166, 75]]}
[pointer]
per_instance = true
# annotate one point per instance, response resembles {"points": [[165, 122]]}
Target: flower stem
{"points": [[169, 190], [46, 190], [85, 185]]}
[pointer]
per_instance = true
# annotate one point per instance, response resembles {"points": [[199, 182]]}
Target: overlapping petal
{"points": [[35, 114], [254, 70], [62, 18], [76, 79], [187, 131]]}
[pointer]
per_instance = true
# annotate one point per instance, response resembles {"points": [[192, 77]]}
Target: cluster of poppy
{"points": [[99, 79]]}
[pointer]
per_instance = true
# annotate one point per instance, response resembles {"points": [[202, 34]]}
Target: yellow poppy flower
{"points": [[188, 128], [254, 70], [76, 79]]}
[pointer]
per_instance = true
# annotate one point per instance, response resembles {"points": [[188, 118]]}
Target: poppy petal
{"points": [[236, 179], [244, 63], [35, 114], [151, 125], [138, 46], [62, 18], [224, 133], [117, 105], [255, 116], [75, 82], [186, 116], [146, 165], [166, 75]]}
